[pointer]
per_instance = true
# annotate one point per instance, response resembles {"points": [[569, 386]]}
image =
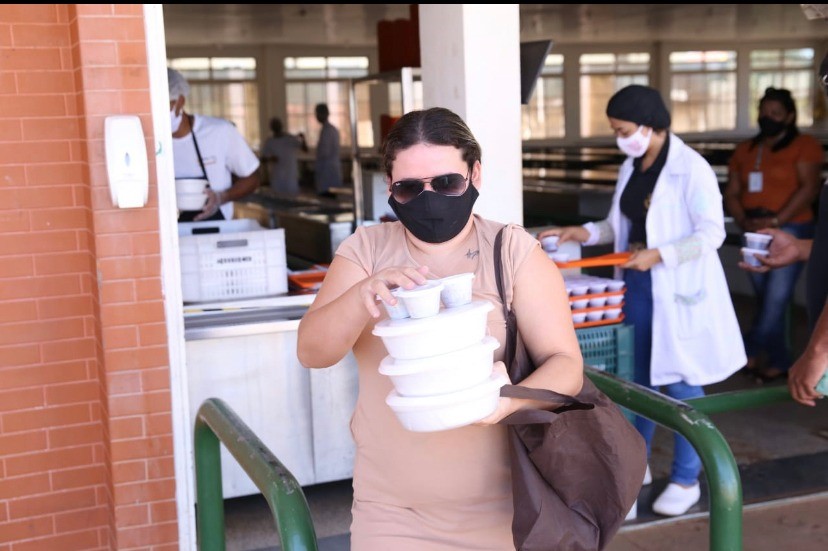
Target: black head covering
{"points": [[823, 73], [641, 105]]}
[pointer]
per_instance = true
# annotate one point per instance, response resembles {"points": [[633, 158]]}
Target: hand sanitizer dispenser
{"points": [[126, 161]]}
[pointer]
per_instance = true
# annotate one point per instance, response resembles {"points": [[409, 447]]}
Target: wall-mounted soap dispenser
{"points": [[126, 161]]}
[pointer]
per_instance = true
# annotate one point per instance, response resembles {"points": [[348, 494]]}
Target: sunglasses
{"points": [[453, 184]]}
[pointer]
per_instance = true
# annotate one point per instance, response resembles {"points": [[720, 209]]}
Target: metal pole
{"points": [[209, 497], [278, 485]]}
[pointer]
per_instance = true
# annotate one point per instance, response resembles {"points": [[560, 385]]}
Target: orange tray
{"points": [[613, 259], [586, 324], [310, 280]]}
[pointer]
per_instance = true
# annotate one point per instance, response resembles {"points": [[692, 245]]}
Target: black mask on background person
{"points": [[771, 127], [433, 217]]}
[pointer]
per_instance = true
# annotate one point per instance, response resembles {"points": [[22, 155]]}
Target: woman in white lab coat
{"points": [[667, 211]]}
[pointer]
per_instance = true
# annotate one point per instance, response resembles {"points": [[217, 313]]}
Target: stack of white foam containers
{"points": [[439, 359]]}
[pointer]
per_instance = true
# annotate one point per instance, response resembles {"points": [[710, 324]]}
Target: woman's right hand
{"points": [[381, 283], [578, 234]]}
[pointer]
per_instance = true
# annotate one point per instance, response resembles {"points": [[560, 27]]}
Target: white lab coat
{"points": [[696, 335]]}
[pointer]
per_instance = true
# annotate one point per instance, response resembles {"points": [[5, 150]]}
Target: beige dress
{"points": [[447, 490]]}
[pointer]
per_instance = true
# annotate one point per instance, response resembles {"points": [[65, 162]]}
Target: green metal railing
{"points": [[691, 421], [216, 423]]}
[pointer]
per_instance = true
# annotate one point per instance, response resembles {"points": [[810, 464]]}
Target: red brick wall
{"points": [[85, 428]]}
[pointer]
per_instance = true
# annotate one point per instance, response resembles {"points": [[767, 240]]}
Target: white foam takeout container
{"points": [[447, 411], [190, 193], [443, 373], [449, 330]]}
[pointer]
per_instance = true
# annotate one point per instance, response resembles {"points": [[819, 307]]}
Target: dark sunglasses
{"points": [[446, 184]]}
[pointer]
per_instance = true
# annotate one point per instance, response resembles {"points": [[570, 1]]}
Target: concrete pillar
{"points": [[471, 64]]}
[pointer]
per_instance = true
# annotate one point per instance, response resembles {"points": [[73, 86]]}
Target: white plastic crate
{"points": [[231, 259]]}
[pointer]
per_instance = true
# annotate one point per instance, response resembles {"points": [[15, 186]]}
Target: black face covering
{"points": [[771, 127], [433, 217]]}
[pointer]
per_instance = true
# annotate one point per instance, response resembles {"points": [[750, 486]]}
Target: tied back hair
{"points": [[434, 126], [784, 97]]}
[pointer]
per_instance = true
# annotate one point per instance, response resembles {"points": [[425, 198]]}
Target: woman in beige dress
{"points": [[448, 490]]}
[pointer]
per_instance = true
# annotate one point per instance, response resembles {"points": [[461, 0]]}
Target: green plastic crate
{"points": [[609, 348]]}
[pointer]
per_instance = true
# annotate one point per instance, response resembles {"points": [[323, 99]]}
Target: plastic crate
{"points": [[608, 348], [231, 259]]}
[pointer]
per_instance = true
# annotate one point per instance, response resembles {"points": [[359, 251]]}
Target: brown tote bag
{"points": [[577, 469]]}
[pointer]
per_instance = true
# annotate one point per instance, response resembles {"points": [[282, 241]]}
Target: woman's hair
{"points": [[435, 126], [784, 97]]}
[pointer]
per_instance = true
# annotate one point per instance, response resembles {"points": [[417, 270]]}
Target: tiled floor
{"points": [[781, 450]]}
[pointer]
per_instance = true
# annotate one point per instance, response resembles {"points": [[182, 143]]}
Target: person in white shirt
{"points": [[213, 149], [667, 213], [280, 151]]}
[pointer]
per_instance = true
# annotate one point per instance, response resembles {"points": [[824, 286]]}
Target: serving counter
{"points": [[244, 353]]}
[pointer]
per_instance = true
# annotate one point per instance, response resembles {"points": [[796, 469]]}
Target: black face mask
{"points": [[433, 217], [771, 127]]}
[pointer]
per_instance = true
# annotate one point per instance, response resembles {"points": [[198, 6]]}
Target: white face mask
{"points": [[636, 144], [175, 120]]}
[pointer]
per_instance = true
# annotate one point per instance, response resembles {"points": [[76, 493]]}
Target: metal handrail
{"points": [[217, 423], [724, 483]]}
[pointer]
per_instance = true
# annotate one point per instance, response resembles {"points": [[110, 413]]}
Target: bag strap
{"points": [[498, 265], [565, 401]]}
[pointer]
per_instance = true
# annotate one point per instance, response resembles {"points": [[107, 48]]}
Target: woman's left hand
{"points": [[504, 405], [643, 260]]}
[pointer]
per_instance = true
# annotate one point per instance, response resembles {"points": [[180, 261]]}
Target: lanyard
{"points": [[758, 159]]}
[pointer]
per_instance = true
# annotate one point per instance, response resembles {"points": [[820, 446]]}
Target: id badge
{"points": [[755, 182]]}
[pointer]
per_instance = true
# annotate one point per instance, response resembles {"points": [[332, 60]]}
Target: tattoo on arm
{"points": [[472, 254]]}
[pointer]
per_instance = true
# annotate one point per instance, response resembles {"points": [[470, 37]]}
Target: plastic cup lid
{"points": [[427, 287], [465, 275]]}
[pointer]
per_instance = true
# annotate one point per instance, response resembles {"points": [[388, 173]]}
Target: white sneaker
{"points": [[633, 512], [675, 500], [648, 477]]}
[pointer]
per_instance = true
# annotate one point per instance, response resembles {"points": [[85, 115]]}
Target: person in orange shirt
{"points": [[773, 181]]}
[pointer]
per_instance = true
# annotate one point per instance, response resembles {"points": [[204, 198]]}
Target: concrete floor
{"points": [[781, 450]]}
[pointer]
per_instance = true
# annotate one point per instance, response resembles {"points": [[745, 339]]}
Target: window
{"points": [[601, 76], [543, 116], [223, 87], [703, 90], [791, 69], [313, 80]]}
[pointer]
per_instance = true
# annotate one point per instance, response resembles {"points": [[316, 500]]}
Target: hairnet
{"points": [[641, 105], [823, 73], [178, 84]]}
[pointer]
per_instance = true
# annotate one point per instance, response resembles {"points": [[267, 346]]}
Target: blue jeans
{"points": [[638, 312], [774, 290]]}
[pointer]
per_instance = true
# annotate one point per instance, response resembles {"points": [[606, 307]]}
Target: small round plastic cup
{"points": [[749, 256], [759, 241], [550, 243], [457, 290], [395, 311], [559, 258], [422, 301], [579, 317], [595, 316]]}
